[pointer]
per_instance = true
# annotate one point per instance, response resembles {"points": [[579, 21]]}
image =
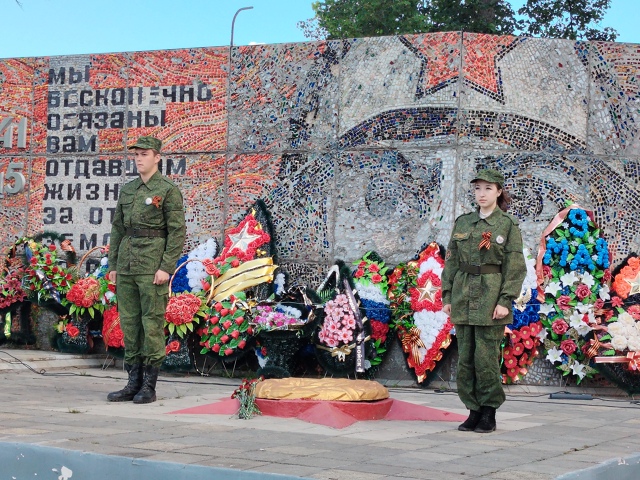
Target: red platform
{"points": [[331, 413]]}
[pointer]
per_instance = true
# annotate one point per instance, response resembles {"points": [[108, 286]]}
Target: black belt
{"points": [[146, 232], [480, 269]]}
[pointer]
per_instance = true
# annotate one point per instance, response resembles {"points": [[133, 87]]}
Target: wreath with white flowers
{"points": [[572, 266], [617, 338], [415, 291]]}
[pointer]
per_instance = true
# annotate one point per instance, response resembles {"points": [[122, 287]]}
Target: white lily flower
{"points": [[542, 335], [569, 279], [546, 308], [588, 279], [553, 288], [554, 355], [578, 369], [575, 318], [584, 308], [604, 293]]}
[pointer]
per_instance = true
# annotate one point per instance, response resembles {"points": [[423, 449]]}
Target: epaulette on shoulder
{"points": [[513, 218], [169, 181]]}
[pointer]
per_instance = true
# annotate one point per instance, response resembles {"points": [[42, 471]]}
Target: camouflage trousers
{"points": [[479, 379], [141, 306]]}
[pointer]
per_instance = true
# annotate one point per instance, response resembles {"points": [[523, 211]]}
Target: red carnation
{"points": [[617, 302], [228, 351], [216, 348], [224, 338], [227, 324], [235, 263], [607, 276], [235, 334], [216, 330], [224, 312], [239, 321], [218, 307], [242, 344]]}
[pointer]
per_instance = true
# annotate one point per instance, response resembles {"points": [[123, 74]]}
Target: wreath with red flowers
{"points": [[415, 291], [227, 333]]}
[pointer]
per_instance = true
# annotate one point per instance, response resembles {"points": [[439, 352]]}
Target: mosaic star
{"points": [[440, 55]]}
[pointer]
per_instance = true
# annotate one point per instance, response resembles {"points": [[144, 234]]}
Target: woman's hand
{"points": [[447, 309], [500, 312]]}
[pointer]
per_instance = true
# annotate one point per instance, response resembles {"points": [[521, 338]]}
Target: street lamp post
{"points": [[233, 23], [228, 106]]}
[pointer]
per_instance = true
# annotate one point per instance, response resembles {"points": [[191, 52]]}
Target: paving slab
{"points": [[538, 438]]}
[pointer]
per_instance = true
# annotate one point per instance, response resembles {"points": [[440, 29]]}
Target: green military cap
{"points": [[490, 175], [148, 143]]}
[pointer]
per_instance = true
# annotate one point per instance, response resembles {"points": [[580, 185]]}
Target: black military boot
{"points": [[147, 393], [133, 385], [471, 422], [487, 420]]}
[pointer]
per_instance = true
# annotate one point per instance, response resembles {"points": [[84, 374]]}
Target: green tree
{"points": [[478, 16], [571, 19], [365, 18]]}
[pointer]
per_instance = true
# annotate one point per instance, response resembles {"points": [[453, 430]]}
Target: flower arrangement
{"points": [[227, 329], [278, 317], [11, 290], [45, 278], [65, 326], [572, 273], [618, 337], [183, 311], [416, 301], [86, 296], [246, 395], [371, 282], [339, 325], [111, 330], [521, 345]]}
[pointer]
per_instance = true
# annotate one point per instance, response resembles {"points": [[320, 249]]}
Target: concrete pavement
{"points": [[537, 438]]}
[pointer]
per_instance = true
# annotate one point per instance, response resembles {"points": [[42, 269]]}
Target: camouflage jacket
{"points": [[156, 205], [474, 297]]}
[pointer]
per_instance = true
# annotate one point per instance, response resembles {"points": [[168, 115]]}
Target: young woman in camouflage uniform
{"points": [[483, 274], [147, 237]]}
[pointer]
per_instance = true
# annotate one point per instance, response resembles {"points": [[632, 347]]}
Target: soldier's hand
{"points": [[447, 309], [500, 312], [112, 276], [161, 277]]}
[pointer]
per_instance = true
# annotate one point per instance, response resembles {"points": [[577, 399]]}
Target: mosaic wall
{"points": [[355, 145]]}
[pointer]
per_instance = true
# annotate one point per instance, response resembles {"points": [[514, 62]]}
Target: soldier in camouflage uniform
{"points": [[483, 274], [147, 237]]}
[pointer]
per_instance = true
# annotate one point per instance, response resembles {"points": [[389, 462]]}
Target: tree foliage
{"points": [[571, 19], [365, 18], [478, 16]]}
